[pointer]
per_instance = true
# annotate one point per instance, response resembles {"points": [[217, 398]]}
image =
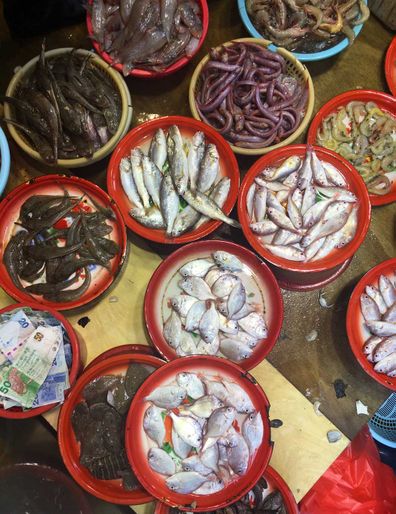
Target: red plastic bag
{"points": [[356, 483]]}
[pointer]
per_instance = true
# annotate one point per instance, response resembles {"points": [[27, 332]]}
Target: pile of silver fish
{"points": [[35, 358], [99, 424], [378, 306], [257, 501], [365, 135], [302, 210], [213, 314], [215, 433], [148, 34], [178, 185], [67, 108]]}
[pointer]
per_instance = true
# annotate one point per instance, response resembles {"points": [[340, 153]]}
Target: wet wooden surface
{"points": [[311, 366]]}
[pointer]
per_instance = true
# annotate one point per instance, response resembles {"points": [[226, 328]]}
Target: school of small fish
{"points": [[302, 210], [378, 306], [178, 185], [215, 432], [212, 315]]}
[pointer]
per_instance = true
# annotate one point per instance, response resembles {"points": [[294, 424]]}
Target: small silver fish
{"points": [[152, 178], [128, 184], [204, 406], [384, 348], [260, 203], [387, 290], [253, 430], [333, 175], [194, 463], [309, 198], [216, 388], [238, 398], [180, 447], [167, 397], [390, 314], [220, 421], [242, 313], [249, 200], [286, 252], [169, 201], [318, 171], [237, 453], [369, 308], [209, 168], [274, 203], [210, 457], [291, 180], [343, 195], [235, 350], [188, 429], [211, 348], [185, 220], [264, 227], [313, 249], [196, 268], [187, 345], [237, 299], [224, 285], [191, 383], [314, 213], [294, 213], [386, 365], [161, 462], [227, 261], [153, 424], [288, 166], [137, 172], [228, 326], [348, 231], [151, 217], [194, 316], [373, 293], [297, 197], [369, 347], [213, 275], [197, 287], [280, 219], [305, 173], [195, 154], [382, 328], [210, 487], [182, 303], [185, 482], [209, 324], [333, 219], [172, 330], [208, 207], [157, 151], [220, 191]]}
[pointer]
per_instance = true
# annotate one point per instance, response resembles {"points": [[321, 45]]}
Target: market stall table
{"points": [[298, 372]]}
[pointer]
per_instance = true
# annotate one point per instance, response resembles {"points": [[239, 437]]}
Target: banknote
{"points": [[13, 334], [22, 379], [52, 391]]}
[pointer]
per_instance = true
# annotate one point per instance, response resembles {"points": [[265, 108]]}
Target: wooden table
{"points": [[296, 368]]}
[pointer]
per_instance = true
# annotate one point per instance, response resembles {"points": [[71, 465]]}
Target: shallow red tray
{"points": [[354, 321], [108, 490], [385, 102], [136, 439], [390, 66], [356, 185], [18, 412], [202, 249], [141, 135], [141, 73], [54, 184]]}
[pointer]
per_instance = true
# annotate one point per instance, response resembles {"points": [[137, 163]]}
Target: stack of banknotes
{"points": [[35, 357]]}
